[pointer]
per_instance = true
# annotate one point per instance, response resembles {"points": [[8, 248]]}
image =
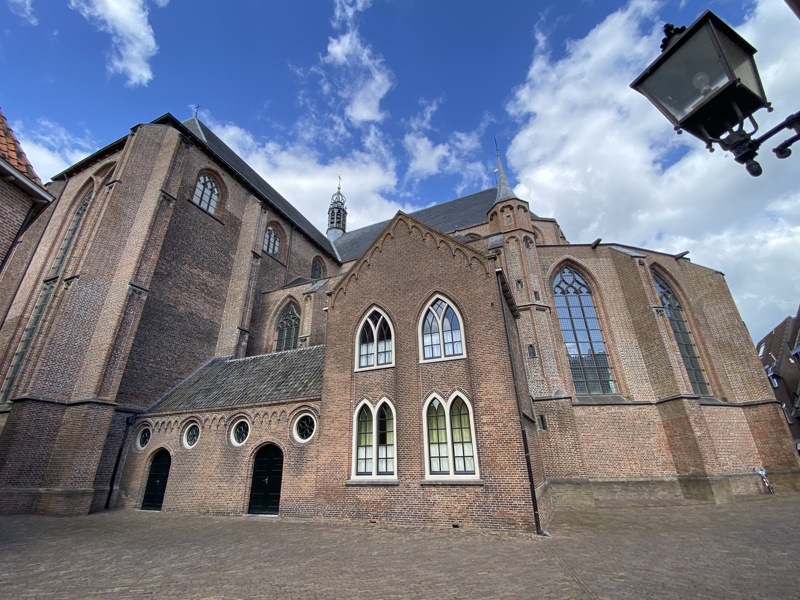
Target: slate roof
{"points": [[448, 216], [775, 342], [246, 171], [227, 382], [11, 152]]}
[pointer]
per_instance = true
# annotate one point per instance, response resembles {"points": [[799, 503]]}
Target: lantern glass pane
{"points": [[688, 77], [742, 64]]}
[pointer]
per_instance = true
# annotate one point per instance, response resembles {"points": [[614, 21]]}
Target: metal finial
{"points": [[340, 182], [671, 33], [196, 109]]}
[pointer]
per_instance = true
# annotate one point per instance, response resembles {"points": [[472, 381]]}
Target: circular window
{"points": [[304, 427], [191, 435], [143, 438], [240, 432]]}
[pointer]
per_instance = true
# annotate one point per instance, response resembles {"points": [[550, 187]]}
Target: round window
{"points": [[304, 427], [144, 437], [191, 435], [240, 432]]}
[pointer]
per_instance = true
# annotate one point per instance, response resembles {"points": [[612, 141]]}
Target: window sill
{"points": [[371, 481], [465, 481], [428, 361], [376, 368], [209, 213]]}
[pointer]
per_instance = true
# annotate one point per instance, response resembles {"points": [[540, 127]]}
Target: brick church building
{"points": [[176, 336]]}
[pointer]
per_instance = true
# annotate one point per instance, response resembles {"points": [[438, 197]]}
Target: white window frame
{"points": [[421, 324], [452, 476], [367, 322], [297, 438], [374, 411]]}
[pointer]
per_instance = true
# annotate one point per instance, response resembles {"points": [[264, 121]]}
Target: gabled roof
{"points": [[460, 213], [11, 152], [226, 382]]}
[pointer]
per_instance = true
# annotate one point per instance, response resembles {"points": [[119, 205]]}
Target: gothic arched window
{"points": [[206, 193], [272, 242], [450, 434], [683, 336], [288, 328], [588, 360], [375, 341], [375, 435], [441, 331], [316, 269]]}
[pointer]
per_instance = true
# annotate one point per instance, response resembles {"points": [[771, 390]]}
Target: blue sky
{"points": [[406, 97]]}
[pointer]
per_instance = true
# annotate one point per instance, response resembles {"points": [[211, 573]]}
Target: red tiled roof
{"points": [[12, 153]]}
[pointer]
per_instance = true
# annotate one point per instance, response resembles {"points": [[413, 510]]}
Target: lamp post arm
{"points": [[782, 150]]}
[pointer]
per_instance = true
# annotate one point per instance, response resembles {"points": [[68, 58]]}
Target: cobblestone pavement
{"points": [[742, 550]]}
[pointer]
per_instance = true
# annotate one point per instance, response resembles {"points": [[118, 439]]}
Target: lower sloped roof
{"points": [[225, 381]]}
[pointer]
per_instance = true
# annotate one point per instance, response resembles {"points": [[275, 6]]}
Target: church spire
{"points": [[337, 214], [504, 191]]}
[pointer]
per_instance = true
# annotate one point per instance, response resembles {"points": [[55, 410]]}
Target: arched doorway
{"points": [[157, 481], [265, 493]]}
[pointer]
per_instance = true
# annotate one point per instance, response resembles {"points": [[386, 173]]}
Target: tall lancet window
{"points": [[288, 328], [588, 361], [682, 335], [45, 295]]}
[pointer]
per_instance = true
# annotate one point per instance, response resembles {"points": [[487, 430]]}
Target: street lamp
{"points": [[707, 84]]}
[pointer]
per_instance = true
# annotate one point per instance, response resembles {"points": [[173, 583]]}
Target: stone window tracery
{"points": [[580, 327], [288, 328], [683, 337], [272, 242], [206, 193]]}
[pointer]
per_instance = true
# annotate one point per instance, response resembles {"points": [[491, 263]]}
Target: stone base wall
{"points": [[667, 491]]}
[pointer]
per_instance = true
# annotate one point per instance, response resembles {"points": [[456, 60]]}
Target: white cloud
{"points": [[24, 9], [456, 154], [308, 181], [50, 148], [361, 77], [133, 42], [597, 156]]}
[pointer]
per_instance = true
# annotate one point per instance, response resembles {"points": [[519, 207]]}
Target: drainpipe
{"points": [[534, 502]]}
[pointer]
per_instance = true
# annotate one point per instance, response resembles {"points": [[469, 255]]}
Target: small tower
{"points": [[508, 212], [504, 191], [337, 214]]}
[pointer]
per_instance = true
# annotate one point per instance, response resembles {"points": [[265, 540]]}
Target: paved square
{"points": [[742, 550]]}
